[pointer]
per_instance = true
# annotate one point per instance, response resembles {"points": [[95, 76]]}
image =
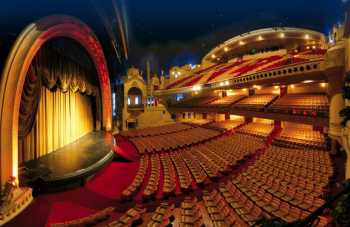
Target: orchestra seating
{"points": [[304, 104], [225, 125], [197, 163], [227, 100], [255, 102], [296, 137], [257, 129], [196, 121], [94, 219], [153, 131], [174, 140]]}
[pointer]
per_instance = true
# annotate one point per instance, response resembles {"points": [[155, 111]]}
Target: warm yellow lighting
{"points": [[282, 35], [226, 49], [308, 48], [323, 84], [196, 88], [292, 86], [241, 43], [179, 73], [260, 38], [227, 83], [314, 47], [213, 56], [307, 81], [307, 36], [222, 84], [244, 89], [276, 87]]}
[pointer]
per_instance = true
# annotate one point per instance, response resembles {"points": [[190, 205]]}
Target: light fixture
{"points": [[244, 89], [307, 36], [260, 38], [276, 87], [227, 83], [179, 73], [222, 84], [313, 47], [226, 49], [213, 56], [292, 86], [241, 43], [308, 48], [282, 35], [196, 88], [323, 84], [307, 81]]}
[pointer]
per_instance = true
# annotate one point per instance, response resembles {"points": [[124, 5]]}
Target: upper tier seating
{"points": [[305, 104], [257, 129], [153, 131], [255, 102], [227, 100], [200, 122], [173, 140], [296, 137]]}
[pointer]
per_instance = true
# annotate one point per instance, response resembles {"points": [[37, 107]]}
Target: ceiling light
{"points": [[227, 83], [241, 43], [260, 38], [307, 36], [282, 35], [276, 87], [213, 56], [292, 86], [323, 84], [226, 49]]}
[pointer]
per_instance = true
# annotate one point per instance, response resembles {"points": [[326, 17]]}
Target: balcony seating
{"points": [[90, 220], [153, 131], [227, 100], [196, 101], [257, 129], [255, 102], [302, 104], [196, 122], [301, 137], [173, 141]]}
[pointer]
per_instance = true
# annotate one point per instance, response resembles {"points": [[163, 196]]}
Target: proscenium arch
{"points": [[17, 64]]}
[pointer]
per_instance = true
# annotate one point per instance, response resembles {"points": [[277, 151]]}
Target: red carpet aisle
{"points": [[126, 149], [100, 192]]}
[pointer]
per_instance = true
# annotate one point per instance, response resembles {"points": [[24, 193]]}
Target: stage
{"points": [[71, 164]]}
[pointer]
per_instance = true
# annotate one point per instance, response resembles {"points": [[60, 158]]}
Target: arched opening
{"points": [[135, 97], [18, 66], [60, 102]]}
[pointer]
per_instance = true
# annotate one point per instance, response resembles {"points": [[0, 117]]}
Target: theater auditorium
{"points": [[145, 113]]}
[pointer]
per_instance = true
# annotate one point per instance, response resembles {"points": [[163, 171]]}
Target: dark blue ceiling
{"points": [[169, 32]]}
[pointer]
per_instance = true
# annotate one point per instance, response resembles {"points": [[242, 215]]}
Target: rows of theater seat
{"points": [[296, 137], [194, 121], [302, 104], [173, 140], [153, 131], [227, 100], [225, 125], [196, 101], [257, 129], [255, 102], [197, 163]]}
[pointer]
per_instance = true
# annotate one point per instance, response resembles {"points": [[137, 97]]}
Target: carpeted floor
{"points": [[100, 192]]}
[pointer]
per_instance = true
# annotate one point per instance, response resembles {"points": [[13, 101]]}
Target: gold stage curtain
{"points": [[61, 119]]}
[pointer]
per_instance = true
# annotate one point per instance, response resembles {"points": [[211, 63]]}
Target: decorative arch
{"points": [[20, 57]]}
